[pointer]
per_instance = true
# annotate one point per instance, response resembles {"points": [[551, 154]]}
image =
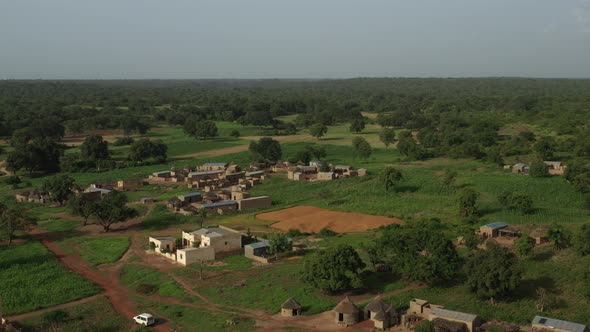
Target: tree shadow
{"points": [[407, 189], [543, 256], [528, 287], [330, 139], [488, 210]]}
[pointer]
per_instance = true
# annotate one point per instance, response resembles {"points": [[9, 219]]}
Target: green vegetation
{"points": [[146, 280], [96, 315], [98, 250], [32, 270]]}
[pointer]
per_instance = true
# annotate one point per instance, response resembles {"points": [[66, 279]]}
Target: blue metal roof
{"points": [[215, 164], [258, 245], [222, 203], [497, 225], [192, 195]]}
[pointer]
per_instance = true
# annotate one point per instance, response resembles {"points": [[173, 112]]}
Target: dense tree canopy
{"points": [[94, 148], [333, 269], [144, 149], [59, 187], [266, 149]]}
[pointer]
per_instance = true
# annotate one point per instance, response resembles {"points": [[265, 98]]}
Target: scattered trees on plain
{"points": [[334, 269], [200, 129], [318, 130], [112, 209], [391, 177], [387, 136], [13, 219], [516, 201], [59, 187], [361, 148], [144, 149], [468, 202]]}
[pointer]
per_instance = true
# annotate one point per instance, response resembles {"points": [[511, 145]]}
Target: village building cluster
{"points": [[554, 168], [505, 234], [316, 170], [383, 316]]}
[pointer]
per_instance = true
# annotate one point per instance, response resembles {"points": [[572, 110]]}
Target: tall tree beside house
{"points": [[200, 129], [391, 177], [387, 136], [539, 169], [560, 237], [278, 243], [144, 149], [516, 201], [468, 202], [318, 130], [94, 148], [13, 219], [112, 209], [334, 269], [582, 240], [81, 205], [419, 251], [357, 125], [524, 246], [59, 187], [361, 148], [266, 149], [493, 273], [201, 217], [545, 148]]}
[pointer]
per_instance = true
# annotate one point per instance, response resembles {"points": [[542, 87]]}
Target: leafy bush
{"points": [[12, 180], [120, 141]]}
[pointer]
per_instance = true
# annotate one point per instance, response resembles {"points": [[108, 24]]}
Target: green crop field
{"points": [[134, 276], [97, 250], [32, 278]]}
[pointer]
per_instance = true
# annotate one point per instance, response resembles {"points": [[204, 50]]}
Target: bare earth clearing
{"points": [[313, 219]]}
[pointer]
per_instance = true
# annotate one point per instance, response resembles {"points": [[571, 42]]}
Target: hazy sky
{"points": [[293, 39]]}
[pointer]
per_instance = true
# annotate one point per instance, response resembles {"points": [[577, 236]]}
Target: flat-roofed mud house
{"points": [[445, 320], [492, 229], [220, 238], [346, 313]]}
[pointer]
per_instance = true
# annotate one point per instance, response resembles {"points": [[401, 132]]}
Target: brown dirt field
{"points": [[77, 139], [313, 219]]}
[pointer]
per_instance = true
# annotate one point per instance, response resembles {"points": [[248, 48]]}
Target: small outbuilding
{"points": [[492, 230], [146, 200], [520, 168], [346, 313], [290, 308], [453, 321], [546, 324], [381, 313]]}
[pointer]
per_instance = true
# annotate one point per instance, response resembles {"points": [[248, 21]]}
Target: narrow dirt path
{"points": [[55, 307], [241, 148], [3, 168]]}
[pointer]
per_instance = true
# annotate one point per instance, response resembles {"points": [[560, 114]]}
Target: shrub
{"points": [[120, 141], [146, 289], [326, 232], [12, 180], [293, 232], [234, 133]]}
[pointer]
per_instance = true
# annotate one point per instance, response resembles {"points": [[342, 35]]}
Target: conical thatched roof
{"points": [[377, 305], [290, 304], [346, 307]]}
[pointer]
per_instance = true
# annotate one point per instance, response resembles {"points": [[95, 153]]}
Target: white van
{"points": [[144, 319]]}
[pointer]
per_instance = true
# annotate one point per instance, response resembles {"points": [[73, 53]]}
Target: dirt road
{"points": [[241, 148]]}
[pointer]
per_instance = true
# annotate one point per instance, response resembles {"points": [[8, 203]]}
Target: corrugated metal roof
{"points": [[204, 173], [162, 172], [497, 225], [223, 203], [258, 245], [215, 164], [254, 173], [450, 314], [192, 195], [254, 198], [559, 324]]}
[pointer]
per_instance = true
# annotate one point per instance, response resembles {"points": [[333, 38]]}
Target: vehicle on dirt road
{"points": [[144, 319]]}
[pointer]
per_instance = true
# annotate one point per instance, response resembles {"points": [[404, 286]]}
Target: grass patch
{"points": [[95, 315], [98, 250], [58, 225], [136, 276], [161, 218], [32, 278]]}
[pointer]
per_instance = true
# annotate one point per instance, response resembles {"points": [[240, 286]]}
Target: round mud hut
{"points": [[290, 308], [346, 313]]}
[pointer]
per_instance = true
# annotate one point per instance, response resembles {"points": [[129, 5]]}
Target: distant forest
{"points": [[457, 118]]}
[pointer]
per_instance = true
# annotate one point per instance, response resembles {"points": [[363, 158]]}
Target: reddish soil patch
{"points": [[77, 139], [313, 219]]}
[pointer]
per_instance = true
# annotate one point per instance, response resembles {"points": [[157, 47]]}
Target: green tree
{"points": [[387, 136], [200, 129], [560, 237], [235, 133], [14, 218], [408, 147], [334, 269], [391, 177], [539, 170], [524, 246], [493, 272], [112, 209], [81, 205], [582, 240], [516, 201], [471, 240], [94, 148], [318, 130], [545, 148], [144, 149], [468, 202], [419, 252], [59, 187], [361, 148], [278, 243], [266, 149], [357, 125], [449, 177], [201, 217]]}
